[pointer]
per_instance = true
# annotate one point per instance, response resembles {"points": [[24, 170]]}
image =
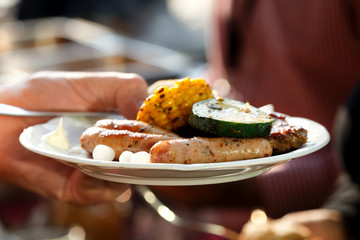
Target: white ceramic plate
{"points": [[164, 174]]}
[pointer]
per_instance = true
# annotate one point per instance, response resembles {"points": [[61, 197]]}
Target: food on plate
{"points": [[209, 150], [167, 147], [185, 124], [230, 118], [103, 152], [169, 107]]}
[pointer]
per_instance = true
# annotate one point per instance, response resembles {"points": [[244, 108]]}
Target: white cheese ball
{"points": [[103, 153], [140, 157], [125, 156]]}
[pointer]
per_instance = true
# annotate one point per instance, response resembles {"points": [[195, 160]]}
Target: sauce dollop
{"points": [[57, 138]]}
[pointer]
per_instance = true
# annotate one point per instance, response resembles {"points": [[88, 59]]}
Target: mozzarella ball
{"points": [[140, 157], [103, 152], [125, 156]]}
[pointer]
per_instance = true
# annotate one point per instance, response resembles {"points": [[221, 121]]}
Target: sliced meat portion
{"points": [[285, 138], [209, 150]]}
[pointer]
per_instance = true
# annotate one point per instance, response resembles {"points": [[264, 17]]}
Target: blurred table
{"points": [[79, 45]]}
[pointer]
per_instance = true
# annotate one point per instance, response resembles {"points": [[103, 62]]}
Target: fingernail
{"points": [[138, 103]]}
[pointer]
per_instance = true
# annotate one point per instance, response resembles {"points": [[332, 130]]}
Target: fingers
{"points": [[323, 223], [52, 179], [80, 91], [85, 190], [110, 90], [130, 98], [103, 91], [314, 215]]}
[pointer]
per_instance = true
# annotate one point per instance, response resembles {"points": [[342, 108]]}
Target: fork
{"points": [[10, 110], [169, 216]]}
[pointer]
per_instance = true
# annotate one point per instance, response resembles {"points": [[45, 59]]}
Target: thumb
{"points": [[131, 95], [124, 91]]}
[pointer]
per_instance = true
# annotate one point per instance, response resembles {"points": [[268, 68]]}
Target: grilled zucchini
{"points": [[230, 118]]}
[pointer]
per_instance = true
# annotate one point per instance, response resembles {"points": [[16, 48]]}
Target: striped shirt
{"points": [[303, 56]]}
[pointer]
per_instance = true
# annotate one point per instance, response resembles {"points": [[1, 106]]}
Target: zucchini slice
{"points": [[230, 118]]}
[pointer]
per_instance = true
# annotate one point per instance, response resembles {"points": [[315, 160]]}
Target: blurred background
{"points": [[158, 39]]}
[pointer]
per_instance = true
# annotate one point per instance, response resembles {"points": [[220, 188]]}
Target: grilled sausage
{"points": [[209, 150], [119, 140], [133, 126]]}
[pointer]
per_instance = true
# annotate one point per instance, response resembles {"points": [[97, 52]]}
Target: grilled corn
{"points": [[169, 107]]}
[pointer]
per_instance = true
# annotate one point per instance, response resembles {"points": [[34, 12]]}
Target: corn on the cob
{"points": [[169, 107]]}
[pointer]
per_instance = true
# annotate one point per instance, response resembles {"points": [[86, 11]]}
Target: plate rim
{"points": [[216, 179]]}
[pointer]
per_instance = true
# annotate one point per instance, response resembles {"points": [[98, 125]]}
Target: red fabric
{"points": [[301, 56]]}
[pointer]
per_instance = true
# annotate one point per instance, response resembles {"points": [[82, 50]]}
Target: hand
{"points": [[324, 224], [63, 91]]}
